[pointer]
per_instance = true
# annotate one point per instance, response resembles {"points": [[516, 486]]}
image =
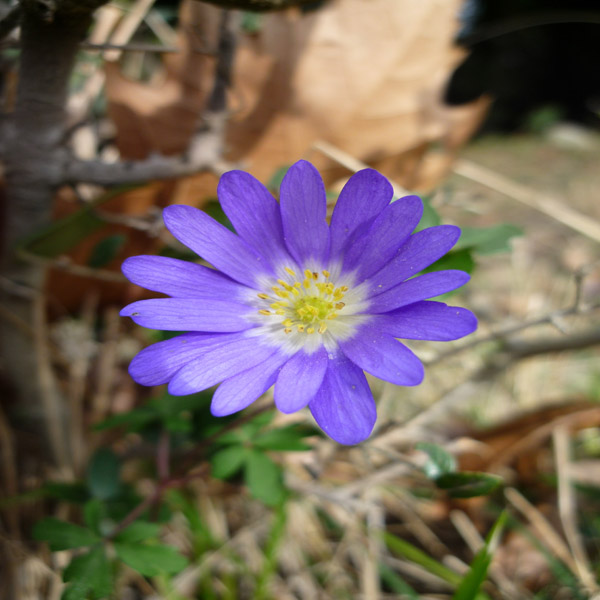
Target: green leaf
{"points": [[69, 492], [138, 531], [61, 535], [275, 182], [213, 209], [488, 240], [251, 22], [396, 584], [461, 260], [417, 556], [106, 250], [440, 461], [62, 235], [228, 461], [93, 512], [88, 572], [287, 438], [133, 420], [468, 484], [471, 583], [103, 474], [264, 478], [151, 560], [430, 216]]}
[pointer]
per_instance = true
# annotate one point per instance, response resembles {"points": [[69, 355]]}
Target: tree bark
{"points": [[34, 160]]}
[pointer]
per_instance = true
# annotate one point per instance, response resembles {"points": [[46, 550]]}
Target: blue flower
{"points": [[295, 302]]}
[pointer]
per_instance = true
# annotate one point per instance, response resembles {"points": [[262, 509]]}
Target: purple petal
{"points": [[364, 196], [378, 353], [433, 321], [299, 380], [189, 314], [241, 390], [216, 244], [418, 288], [303, 209], [254, 213], [344, 407], [179, 278], [421, 250], [157, 364], [222, 362], [387, 234]]}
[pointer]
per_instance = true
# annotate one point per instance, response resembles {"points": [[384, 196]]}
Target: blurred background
{"points": [[114, 110]]}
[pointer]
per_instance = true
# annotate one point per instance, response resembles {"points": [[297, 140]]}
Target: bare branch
{"points": [[204, 151], [554, 318]]}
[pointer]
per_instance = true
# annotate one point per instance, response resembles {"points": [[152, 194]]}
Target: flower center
{"points": [[307, 305]]}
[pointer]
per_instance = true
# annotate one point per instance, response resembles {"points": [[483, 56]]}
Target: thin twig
{"points": [[350, 162], [567, 508], [547, 535], [552, 317], [551, 207], [64, 263]]}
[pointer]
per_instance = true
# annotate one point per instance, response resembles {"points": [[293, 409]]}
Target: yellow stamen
{"points": [[310, 330], [340, 305], [326, 273], [287, 323], [307, 273], [284, 284], [264, 312], [306, 283], [315, 275], [287, 330], [280, 312], [322, 327], [263, 296], [289, 271], [300, 328]]}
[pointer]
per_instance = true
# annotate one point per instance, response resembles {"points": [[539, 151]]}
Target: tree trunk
{"points": [[34, 160]]}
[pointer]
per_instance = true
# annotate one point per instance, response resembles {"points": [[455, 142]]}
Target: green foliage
{"points": [[228, 461], [415, 555], [214, 209], [103, 474], [251, 22], [61, 535], [440, 461], [138, 531], [275, 182], [245, 450], [395, 583], [441, 469], [488, 240], [106, 250], [150, 560], [177, 414], [462, 260], [468, 485], [89, 576], [471, 583], [264, 478], [430, 216], [64, 234]]}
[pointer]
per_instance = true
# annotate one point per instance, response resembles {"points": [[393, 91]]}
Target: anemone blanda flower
{"points": [[296, 302]]}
